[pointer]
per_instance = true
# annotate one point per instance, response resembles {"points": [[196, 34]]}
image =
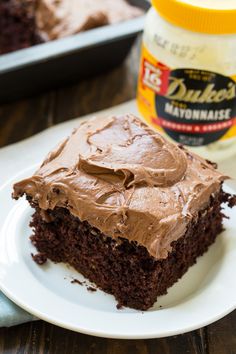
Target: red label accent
{"points": [[193, 128], [155, 77]]}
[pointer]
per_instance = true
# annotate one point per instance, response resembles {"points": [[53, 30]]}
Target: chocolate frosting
{"points": [[126, 180], [60, 18]]}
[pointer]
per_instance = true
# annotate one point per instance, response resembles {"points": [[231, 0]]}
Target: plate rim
{"points": [[100, 334]]}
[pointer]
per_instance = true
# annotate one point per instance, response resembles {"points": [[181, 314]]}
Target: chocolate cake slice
{"points": [[125, 207]]}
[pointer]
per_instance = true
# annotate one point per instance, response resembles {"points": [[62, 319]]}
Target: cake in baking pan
{"points": [[24, 23]]}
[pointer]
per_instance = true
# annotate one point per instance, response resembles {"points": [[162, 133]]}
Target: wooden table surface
{"points": [[22, 119]]}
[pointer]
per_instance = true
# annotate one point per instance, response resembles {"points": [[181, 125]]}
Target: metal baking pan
{"points": [[57, 63]]}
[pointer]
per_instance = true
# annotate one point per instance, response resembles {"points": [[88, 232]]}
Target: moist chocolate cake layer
{"points": [[120, 267], [17, 25]]}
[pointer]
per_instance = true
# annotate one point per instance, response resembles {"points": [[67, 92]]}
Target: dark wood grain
{"points": [[41, 337], [24, 118], [222, 335]]}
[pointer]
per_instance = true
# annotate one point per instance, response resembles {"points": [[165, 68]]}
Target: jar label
{"points": [[194, 107]]}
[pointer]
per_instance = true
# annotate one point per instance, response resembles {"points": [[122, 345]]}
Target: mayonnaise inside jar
{"points": [[187, 79]]}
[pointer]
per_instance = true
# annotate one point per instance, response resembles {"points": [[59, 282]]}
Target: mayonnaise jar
{"points": [[187, 78]]}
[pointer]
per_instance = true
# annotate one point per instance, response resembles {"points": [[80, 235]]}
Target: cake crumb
{"points": [[77, 281], [90, 288], [119, 306], [232, 201], [39, 258]]}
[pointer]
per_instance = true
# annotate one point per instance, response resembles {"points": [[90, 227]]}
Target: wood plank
{"points": [[24, 118], [222, 335], [43, 338]]}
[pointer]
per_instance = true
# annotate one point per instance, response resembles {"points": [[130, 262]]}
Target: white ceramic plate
{"points": [[205, 294]]}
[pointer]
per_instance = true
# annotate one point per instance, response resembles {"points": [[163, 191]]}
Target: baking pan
{"points": [[57, 63]]}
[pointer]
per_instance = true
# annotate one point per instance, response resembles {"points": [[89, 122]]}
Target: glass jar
{"points": [[187, 78]]}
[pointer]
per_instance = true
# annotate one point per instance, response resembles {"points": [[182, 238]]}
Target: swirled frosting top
{"points": [[126, 180]]}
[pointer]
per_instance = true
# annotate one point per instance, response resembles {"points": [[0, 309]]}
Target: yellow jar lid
{"points": [[206, 18]]}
